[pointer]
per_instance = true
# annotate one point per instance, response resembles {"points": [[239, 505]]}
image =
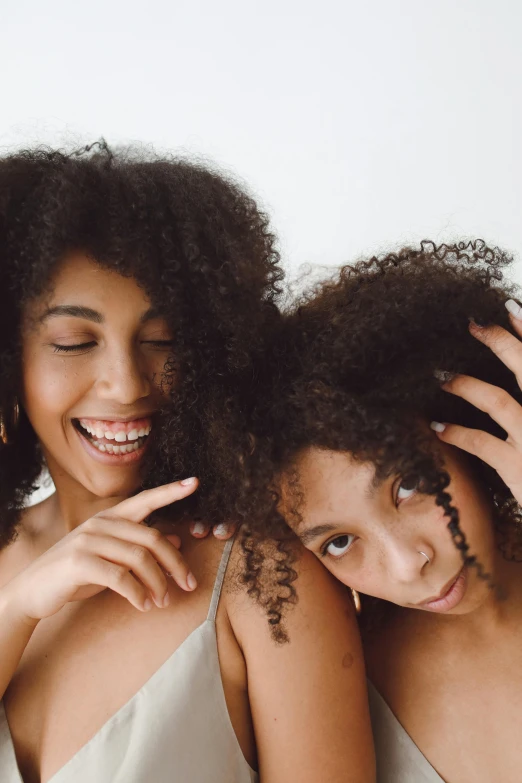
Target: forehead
{"points": [[77, 279], [330, 483]]}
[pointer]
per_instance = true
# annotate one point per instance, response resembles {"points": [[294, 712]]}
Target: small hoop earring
{"points": [[356, 601], [4, 435], [426, 556]]}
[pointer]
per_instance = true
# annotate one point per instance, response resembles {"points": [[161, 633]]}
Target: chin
{"points": [[111, 488]]}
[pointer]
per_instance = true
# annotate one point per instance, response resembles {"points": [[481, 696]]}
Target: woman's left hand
{"points": [[505, 456]]}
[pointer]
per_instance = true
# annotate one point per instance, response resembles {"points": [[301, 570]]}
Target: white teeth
{"points": [[132, 435], [99, 432], [110, 448], [109, 435], [120, 437], [141, 433]]}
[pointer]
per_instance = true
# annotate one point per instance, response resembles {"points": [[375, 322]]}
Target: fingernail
{"points": [[188, 481], [191, 581], [147, 605], [437, 426], [514, 308], [221, 530], [199, 529], [474, 324], [443, 375]]}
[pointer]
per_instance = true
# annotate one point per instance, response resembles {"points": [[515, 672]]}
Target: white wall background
{"points": [[358, 124]]}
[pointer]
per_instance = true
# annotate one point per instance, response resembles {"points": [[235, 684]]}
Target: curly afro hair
{"points": [[197, 243], [359, 359]]}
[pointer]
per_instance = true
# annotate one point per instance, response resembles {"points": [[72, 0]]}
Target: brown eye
{"points": [[407, 488], [340, 545]]}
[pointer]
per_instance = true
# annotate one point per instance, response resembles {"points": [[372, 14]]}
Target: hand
{"points": [[223, 531], [110, 550], [505, 456]]}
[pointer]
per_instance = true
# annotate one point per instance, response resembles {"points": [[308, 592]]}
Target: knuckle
{"points": [[500, 400], [154, 535], [82, 539], [117, 574], [139, 553], [76, 559], [477, 440]]}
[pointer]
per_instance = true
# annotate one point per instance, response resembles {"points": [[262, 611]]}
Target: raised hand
{"points": [[111, 550], [505, 456]]}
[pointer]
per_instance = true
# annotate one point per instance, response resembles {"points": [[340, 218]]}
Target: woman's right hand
{"points": [[110, 550]]}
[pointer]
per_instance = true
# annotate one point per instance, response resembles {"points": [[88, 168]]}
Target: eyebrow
{"points": [[374, 486], [311, 533], [88, 314]]}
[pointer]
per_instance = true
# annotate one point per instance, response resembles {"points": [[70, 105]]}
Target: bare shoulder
{"points": [[320, 600], [308, 696]]}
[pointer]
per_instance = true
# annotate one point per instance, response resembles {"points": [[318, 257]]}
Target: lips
{"points": [[450, 595]]}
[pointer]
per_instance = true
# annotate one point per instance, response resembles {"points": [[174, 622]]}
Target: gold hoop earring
{"points": [[4, 434], [356, 601]]}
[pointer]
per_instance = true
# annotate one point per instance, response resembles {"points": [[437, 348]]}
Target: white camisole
{"points": [[175, 729]]}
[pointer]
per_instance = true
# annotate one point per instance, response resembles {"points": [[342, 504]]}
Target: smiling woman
{"points": [[136, 294]]}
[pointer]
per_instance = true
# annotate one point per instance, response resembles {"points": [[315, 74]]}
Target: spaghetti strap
{"points": [[218, 584]]}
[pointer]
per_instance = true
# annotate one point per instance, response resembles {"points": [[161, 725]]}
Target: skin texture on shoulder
{"points": [[308, 696]]}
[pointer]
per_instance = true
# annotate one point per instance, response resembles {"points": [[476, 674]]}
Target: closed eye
{"points": [[70, 348]]}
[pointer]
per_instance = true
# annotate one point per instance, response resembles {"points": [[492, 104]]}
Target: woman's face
{"points": [[93, 356], [371, 534]]}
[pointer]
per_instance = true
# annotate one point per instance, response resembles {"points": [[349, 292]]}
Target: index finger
{"points": [[139, 507], [505, 345]]}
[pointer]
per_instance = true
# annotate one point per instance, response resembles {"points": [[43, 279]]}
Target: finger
{"points": [[492, 400], [224, 530], [174, 539], [199, 529], [139, 507], [493, 451], [92, 570], [515, 315], [133, 557], [506, 346], [163, 551]]}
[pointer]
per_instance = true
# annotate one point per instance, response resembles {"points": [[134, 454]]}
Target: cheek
{"points": [[50, 388]]}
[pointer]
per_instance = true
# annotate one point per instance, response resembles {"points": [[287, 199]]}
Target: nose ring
{"points": [[425, 555]]}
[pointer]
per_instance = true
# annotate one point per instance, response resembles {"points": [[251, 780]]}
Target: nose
{"points": [[123, 378], [407, 559]]}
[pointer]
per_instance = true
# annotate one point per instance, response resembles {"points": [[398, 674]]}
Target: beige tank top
{"points": [[175, 729], [399, 760]]}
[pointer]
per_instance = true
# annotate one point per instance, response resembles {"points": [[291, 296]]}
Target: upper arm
{"points": [[308, 697]]}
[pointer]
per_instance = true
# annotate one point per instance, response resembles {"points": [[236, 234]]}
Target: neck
{"points": [[73, 503]]}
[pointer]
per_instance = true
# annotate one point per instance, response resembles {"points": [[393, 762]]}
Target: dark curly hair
{"points": [[359, 360], [197, 243]]}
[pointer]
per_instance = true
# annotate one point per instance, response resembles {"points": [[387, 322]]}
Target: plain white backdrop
{"points": [[359, 125]]}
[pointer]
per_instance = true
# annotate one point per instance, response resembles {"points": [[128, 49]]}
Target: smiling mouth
{"points": [[115, 437]]}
